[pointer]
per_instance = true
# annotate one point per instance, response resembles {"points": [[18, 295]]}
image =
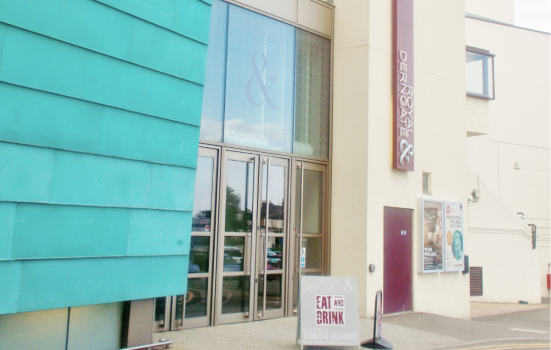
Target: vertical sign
{"points": [[431, 237], [402, 85], [329, 311], [453, 246]]}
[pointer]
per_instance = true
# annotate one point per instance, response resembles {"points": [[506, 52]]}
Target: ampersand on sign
{"points": [[406, 150], [261, 84]]}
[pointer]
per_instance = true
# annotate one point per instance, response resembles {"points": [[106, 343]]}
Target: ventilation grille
{"points": [[476, 281]]}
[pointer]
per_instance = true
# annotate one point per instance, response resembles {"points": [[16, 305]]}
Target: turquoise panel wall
{"points": [[100, 108]]}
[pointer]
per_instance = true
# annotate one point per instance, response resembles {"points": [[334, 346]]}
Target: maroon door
{"points": [[397, 271]]}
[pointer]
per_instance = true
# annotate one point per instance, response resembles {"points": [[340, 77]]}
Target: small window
{"points": [[480, 73], [427, 183]]}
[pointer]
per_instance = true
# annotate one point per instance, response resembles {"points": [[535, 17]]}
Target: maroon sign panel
{"points": [[403, 153]]}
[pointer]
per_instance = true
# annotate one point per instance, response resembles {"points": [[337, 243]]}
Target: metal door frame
{"points": [[295, 244], [253, 259]]}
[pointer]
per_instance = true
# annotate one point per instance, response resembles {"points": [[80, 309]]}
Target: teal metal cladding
{"points": [[100, 108]]}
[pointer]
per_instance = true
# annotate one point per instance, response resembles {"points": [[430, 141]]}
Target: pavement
{"points": [[491, 324]]}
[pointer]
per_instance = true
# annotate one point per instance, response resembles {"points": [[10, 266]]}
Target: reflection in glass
{"points": [[313, 202], [273, 292], [274, 259], [277, 199], [312, 97], [196, 297], [199, 255], [234, 248], [215, 74], [479, 70], [235, 294], [312, 247], [160, 305], [202, 204], [179, 312], [239, 196], [259, 82]]}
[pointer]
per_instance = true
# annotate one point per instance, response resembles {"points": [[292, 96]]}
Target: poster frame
{"points": [[445, 236], [421, 236]]}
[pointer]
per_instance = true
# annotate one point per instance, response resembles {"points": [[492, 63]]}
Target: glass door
{"points": [[253, 225], [270, 272], [309, 225], [193, 309]]}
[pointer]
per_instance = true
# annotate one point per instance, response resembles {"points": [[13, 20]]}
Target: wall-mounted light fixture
{"points": [[476, 195]]}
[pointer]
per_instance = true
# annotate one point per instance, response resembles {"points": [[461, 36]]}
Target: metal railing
{"points": [[162, 344]]}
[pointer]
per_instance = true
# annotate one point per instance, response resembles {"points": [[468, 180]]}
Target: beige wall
{"points": [[477, 114], [519, 129], [500, 243], [363, 179], [499, 10]]}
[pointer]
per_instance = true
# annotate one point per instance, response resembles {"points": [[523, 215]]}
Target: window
{"points": [[426, 183], [480, 73], [267, 84]]}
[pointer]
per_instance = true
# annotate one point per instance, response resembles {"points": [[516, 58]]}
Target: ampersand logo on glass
{"points": [[260, 83]]}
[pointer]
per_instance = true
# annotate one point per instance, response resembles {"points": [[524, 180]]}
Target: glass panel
{"points": [[199, 255], [479, 72], [274, 291], [277, 199], [312, 249], [234, 248], [160, 304], [297, 199], [235, 294], [215, 74], [274, 260], [196, 298], [239, 196], [260, 81], [202, 204], [313, 202], [87, 322], [260, 297], [44, 330], [179, 312], [312, 99]]}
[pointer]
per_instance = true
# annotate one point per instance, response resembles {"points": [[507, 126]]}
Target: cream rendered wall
{"points": [[349, 159], [477, 112], [363, 179], [500, 242], [519, 129], [499, 10]]}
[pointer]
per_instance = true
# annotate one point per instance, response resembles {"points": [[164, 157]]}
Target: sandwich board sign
{"points": [[329, 311]]}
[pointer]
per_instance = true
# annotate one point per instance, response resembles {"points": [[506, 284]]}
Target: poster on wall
{"points": [[431, 239], [453, 238]]}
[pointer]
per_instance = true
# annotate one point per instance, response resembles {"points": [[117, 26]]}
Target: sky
{"points": [[533, 14]]}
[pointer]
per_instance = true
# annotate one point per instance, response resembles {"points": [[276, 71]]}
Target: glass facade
{"points": [[313, 76], [267, 84]]}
